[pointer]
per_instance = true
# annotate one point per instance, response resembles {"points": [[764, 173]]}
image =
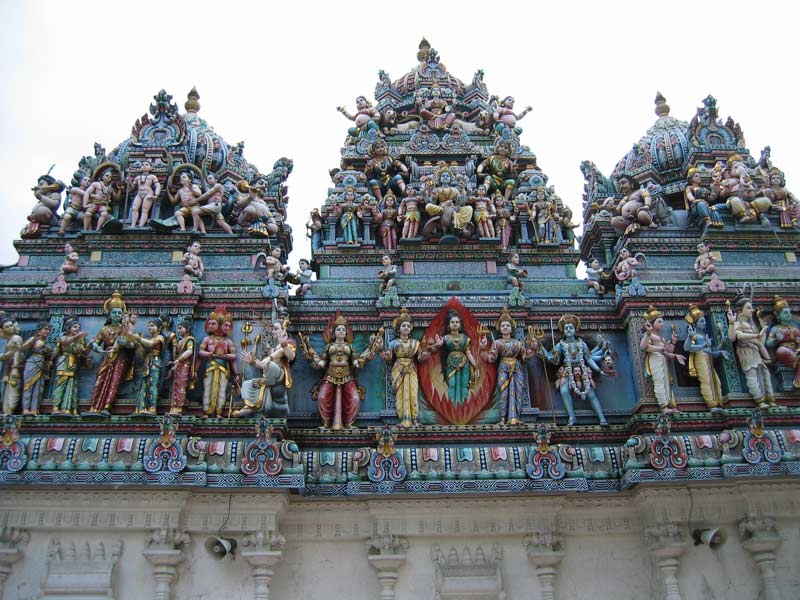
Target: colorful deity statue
{"points": [[577, 366], [192, 263], [658, 351], [704, 263], [71, 259], [71, 351], [781, 197], [409, 213], [210, 204], [700, 200], [147, 189], [261, 394], [75, 210], [346, 211], [304, 275], [515, 273], [13, 361], [544, 217], [255, 215], [444, 203], [459, 364], [484, 212], [743, 198], [366, 118], [510, 354], [147, 400], [116, 343], [701, 358], [404, 352], [387, 275], [505, 117], [219, 354], [48, 198], [338, 396], [500, 172], [633, 209], [594, 277], [625, 268], [505, 219], [751, 351], [314, 229], [384, 172], [182, 368], [435, 110], [783, 339], [98, 200], [387, 222], [36, 373]]}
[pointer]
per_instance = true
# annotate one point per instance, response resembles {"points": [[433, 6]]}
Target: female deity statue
{"points": [[511, 354], [576, 364], [37, 368], [182, 368], [658, 350], [348, 220], [751, 351], [499, 170], [784, 339], [544, 217], [700, 201], [701, 358], [115, 342], [338, 397], [459, 365], [260, 393], [147, 401], [384, 172], [405, 351], [219, 354], [387, 219], [70, 351], [13, 361]]}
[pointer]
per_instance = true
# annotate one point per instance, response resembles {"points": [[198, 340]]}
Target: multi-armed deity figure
{"points": [[338, 396], [658, 351], [261, 394], [219, 354], [701, 358], [71, 350], [510, 354], [783, 339], [444, 203], [147, 189], [404, 352], [117, 345], [576, 366]]}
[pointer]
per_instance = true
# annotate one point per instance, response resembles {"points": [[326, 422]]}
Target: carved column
{"points": [[11, 539], [387, 553], [544, 553], [760, 538], [666, 544], [164, 551], [263, 550]]}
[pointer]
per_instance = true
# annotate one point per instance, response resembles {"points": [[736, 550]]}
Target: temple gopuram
{"points": [[432, 400]]}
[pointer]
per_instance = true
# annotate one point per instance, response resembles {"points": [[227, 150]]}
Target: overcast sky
{"points": [[272, 74]]}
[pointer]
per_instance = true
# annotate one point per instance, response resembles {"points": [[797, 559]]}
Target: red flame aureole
{"points": [[434, 387]]}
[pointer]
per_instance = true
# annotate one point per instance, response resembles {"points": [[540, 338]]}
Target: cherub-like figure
{"points": [[76, 207], [387, 275], [71, 259], [192, 263], [658, 351], [505, 117], [338, 397], [704, 263], [99, 197], [515, 273], [304, 274], [625, 268], [366, 119], [594, 276], [147, 189]]}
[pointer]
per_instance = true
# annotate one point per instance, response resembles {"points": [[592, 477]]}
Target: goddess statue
{"points": [[459, 365], [70, 351], [182, 368], [783, 339], [751, 351], [147, 400], [658, 350], [116, 343], [37, 368]]}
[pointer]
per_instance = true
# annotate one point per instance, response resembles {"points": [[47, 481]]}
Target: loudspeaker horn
{"points": [[220, 547]]}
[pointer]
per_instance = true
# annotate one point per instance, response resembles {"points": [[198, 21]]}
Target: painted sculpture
{"points": [[147, 400], [36, 373], [702, 353], [384, 173], [510, 355], [192, 263], [219, 356], [186, 199], [751, 352], [115, 342], [182, 368], [704, 263], [459, 365], [499, 171], [783, 339], [701, 201], [658, 352], [75, 210], [99, 199], [210, 204], [71, 351], [147, 189], [13, 360], [48, 199]]}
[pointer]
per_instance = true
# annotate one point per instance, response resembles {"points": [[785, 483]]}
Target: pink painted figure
{"points": [[192, 263], [188, 195], [147, 189], [388, 222], [76, 206], [657, 351], [704, 263], [70, 260], [625, 269], [99, 197], [210, 204], [409, 214], [484, 212], [48, 198], [594, 274]]}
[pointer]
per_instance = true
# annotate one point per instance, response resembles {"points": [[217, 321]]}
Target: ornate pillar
{"points": [[263, 550], [387, 553], [666, 544], [11, 539], [164, 551], [544, 553], [760, 538]]}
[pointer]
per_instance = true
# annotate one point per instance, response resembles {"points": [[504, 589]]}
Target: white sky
{"points": [[271, 74]]}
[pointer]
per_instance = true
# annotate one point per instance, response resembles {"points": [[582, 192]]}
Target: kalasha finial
{"points": [[662, 108], [192, 105]]}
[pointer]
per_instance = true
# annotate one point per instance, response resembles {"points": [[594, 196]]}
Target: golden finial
{"points": [[192, 105], [662, 108]]}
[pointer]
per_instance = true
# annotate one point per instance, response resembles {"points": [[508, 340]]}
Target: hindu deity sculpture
{"points": [[192, 263], [147, 189], [444, 203], [704, 263], [435, 110], [510, 354], [74, 211], [37, 368], [500, 172], [304, 275], [366, 118], [633, 209], [743, 198], [594, 277], [625, 268], [384, 172], [186, 199], [505, 220], [484, 212], [459, 366], [314, 229], [515, 273], [576, 367], [751, 351], [782, 198], [701, 201], [182, 368], [544, 217], [260, 394], [70, 352], [116, 343], [409, 213], [783, 339], [254, 214], [658, 351], [210, 204], [701, 358], [12, 359], [147, 400], [505, 117], [387, 222], [219, 354], [98, 200], [346, 211], [71, 259], [338, 396], [48, 198], [404, 352]]}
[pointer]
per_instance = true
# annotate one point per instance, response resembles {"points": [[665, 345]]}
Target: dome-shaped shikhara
{"points": [[660, 155]]}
